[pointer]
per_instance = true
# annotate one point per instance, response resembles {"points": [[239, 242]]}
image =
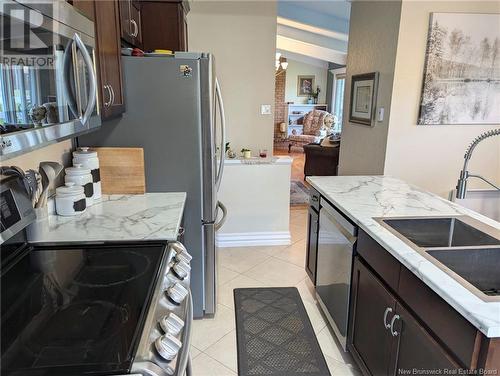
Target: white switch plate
{"points": [[265, 109], [380, 115]]}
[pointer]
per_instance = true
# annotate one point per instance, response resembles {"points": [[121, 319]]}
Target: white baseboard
{"points": [[248, 239]]}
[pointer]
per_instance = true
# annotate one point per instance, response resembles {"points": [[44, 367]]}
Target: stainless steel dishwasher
{"points": [[336, 247]]}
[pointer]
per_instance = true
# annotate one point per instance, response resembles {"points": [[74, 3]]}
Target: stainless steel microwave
{"points": [[48, 87]]}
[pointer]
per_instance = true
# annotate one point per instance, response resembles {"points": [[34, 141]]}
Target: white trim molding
{"points": [[308, 49], [250, 239], [313, 29]]}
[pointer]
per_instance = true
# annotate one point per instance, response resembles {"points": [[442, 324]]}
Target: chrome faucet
{"points": [[464, 174]]}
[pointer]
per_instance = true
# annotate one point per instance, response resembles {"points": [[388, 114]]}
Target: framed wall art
{"points": [[363, 98], [461, 83], [305, 86]]}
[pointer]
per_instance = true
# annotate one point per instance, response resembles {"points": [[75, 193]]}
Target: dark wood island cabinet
{"points": [[397, 324]]}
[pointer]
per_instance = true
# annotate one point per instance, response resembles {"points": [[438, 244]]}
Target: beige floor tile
{"points": [[194, 352], [240, 259], [332, 364], [273, 250], [274, 272], [318, 321], [224, 275], [204, 365], [345, 370], [306, 290], [209, 330], [225, 292], [332, 348], [295, 254], [225, 351]]}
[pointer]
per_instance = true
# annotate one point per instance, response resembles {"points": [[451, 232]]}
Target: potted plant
{"points": [[315, 95], [247, 153], [229, 152]]}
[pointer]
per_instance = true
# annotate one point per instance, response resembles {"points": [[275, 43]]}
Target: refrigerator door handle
{"points": [[220, 223], [223, 135]]}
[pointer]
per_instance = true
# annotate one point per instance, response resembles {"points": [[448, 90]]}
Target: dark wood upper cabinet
{"points": [[86, 7], [130, 22], [164, 25], [109, 58]]}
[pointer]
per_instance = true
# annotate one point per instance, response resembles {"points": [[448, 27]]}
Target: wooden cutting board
{"points": [[122, 170]]}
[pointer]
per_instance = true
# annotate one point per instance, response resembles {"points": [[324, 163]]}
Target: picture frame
{"points": [[305, 85], [363, 101], [461, 70]]}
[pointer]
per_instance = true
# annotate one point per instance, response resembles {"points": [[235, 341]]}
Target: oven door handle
{"points": [[93, 82], [186, 338]]}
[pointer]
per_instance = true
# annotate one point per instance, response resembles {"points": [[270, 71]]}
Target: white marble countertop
{"points": [[362, 198], [259, 161], [152, 216]]}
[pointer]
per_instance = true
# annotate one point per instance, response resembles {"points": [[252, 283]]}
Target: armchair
{"points": [[315, 125]]}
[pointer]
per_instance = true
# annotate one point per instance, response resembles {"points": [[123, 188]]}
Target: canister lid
{"points": [[69, 189], [85, 152], [77, 169]]}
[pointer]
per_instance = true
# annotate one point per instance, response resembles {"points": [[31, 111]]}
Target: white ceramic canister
{"points": [[81, 176], [70, 199], [88, 159]]}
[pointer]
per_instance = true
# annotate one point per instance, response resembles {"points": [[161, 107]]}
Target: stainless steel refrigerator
{"points": [[174, 110]]}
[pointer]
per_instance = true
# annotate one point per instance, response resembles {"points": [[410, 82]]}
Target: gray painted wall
{"points": [[373, 38]]}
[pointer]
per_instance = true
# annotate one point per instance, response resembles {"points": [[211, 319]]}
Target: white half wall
{"points": [[257, 198]]}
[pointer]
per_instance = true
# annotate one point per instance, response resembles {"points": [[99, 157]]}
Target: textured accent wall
{"points": [[279, 105]]}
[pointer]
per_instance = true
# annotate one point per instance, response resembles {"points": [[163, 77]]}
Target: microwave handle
{"points": [[67, 64], [91, 102]]}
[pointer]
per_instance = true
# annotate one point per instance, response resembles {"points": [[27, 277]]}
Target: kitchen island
{"points": [[152, 216], [408, 278]]}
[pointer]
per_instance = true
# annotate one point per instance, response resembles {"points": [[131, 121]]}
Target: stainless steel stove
{"points": [[71, 309]]}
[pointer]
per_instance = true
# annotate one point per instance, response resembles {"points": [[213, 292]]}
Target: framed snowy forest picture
{"points": [[462, 70]]}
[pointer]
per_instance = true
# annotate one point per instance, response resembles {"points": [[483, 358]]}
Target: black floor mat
{"points": [[274, 334]]}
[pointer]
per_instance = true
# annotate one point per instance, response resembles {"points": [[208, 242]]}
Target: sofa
{"points": [[321, 160]]}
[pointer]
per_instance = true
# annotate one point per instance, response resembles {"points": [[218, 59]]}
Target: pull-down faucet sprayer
{"points": [[464, 174]]}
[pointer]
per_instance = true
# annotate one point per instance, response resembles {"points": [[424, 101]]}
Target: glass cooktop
{"points": [[75, 310]]}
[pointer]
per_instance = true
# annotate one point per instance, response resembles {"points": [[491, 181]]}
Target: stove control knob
{"points": [[181, 269], [172, 324], [184, 256], [168, 346], [177, 293], [178, 247]]}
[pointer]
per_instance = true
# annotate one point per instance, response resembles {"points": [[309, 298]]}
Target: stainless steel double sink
{"points": [[465, 248]]}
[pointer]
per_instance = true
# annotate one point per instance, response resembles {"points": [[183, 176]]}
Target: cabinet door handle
{"points": [[112, 94], [394, 332], [135, 33], [108, 103], [387, 311]]}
